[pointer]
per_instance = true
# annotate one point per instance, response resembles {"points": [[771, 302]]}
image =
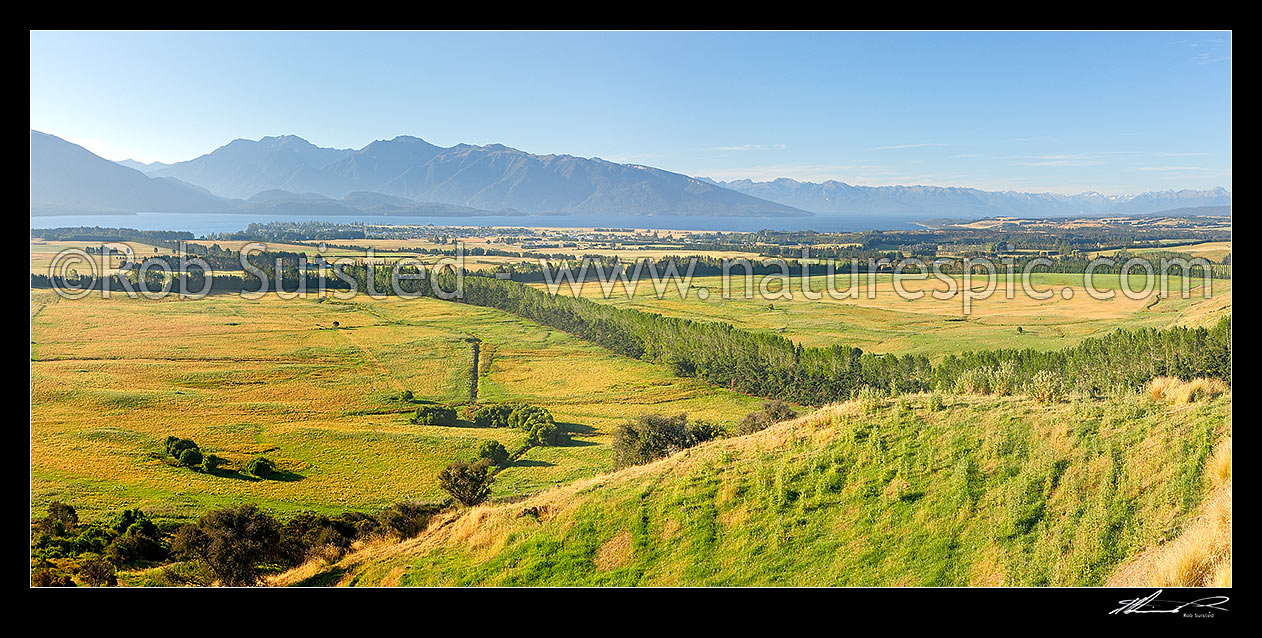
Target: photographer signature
{"points": [[1152, 605]]}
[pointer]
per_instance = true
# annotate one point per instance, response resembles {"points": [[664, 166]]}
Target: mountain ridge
{"points": [[481, 179], [834, 196]]}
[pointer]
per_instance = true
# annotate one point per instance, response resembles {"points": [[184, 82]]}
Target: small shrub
{"points": [[494, 452], [98, 572], [753, 422], [935, 403], [211, 463], [703, 431], [650, 437], [406, 395], [1003, 379], [868, 398], [176, 446], [1047, 387], [778, 410], [260, 467], [973, 381], [191, 457], [468, 483]]}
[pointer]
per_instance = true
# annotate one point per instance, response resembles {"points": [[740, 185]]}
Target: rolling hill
{"points": [[978, 491]]}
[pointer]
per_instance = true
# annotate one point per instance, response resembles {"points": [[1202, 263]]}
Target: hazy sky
{"points": [[1060, 112]]}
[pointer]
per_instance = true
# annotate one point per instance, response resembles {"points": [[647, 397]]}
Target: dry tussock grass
{"points": [[1174, 391], [615, 553], [1201, 555]]}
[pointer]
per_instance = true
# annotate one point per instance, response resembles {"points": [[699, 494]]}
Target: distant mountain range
{"points": [[66, 178], [409, 176], [918, 202]]}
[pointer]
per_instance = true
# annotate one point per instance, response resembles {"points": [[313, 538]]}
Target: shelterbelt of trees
{"points": [[770, 365]]}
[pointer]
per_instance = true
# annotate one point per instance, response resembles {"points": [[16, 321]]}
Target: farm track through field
{"points": [[473, 370]]}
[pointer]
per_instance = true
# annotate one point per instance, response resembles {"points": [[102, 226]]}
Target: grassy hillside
{"points": [[972, 491]]}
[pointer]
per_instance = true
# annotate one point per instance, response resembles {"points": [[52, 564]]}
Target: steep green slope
{"points": [[983, 491]]}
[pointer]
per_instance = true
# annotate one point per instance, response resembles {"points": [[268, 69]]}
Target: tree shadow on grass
{"points": [[531, 463], [576, 428], [324, 579], [573, 442], [282, 476]]}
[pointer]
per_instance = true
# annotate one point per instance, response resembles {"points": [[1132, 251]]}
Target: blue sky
{"points": [[1059, 112]]}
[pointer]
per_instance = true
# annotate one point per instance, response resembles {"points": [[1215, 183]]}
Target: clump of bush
{"points": [[234, 542], [493, 415], [184, 451], [434, 415], [260, 467], [654, 436], [494, 452], [535, 421], [771, 412], [538, 424], [62, 547], [405, 520], [97, 571], [468, 483], [233, 546]]}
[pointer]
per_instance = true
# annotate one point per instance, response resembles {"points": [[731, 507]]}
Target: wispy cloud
{"points": [[750, 147], [1210, 51], [1178, 169], [903, 146], [861, 174], [1095, 158]]}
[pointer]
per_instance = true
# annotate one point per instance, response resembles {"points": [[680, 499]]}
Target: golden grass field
{"points": [[110, 379], [1214, 251], [931, 326], [44, 252]]}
